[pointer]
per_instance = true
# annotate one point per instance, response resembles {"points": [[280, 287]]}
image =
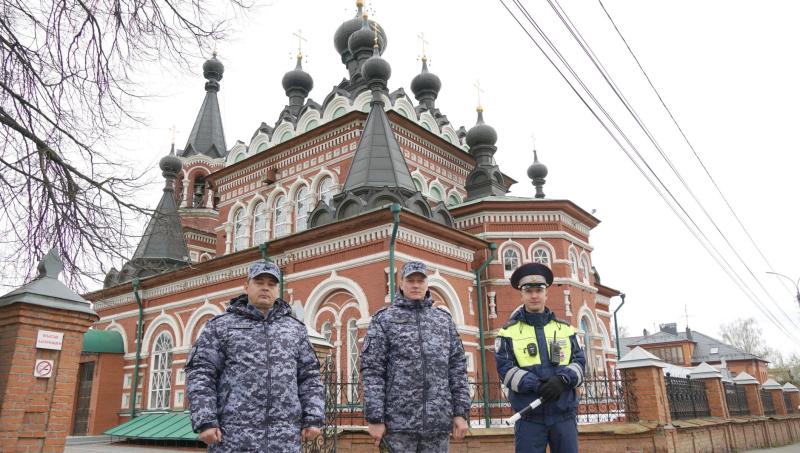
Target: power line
{"points": [[728, 270], [564, 17], [696, 155]]}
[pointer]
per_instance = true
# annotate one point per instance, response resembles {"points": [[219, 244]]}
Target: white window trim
{"points": [[166, 377]]}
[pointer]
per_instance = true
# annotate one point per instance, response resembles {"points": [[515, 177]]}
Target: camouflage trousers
{"points": [[415, 443]]}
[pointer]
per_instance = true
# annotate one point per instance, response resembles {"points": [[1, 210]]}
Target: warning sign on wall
{"points": [[43, 368], [47, 339]]}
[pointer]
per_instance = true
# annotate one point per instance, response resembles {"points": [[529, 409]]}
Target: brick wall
{"points": [[687, 436]]}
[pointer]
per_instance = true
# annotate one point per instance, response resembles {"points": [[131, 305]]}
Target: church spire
{"points": [[207, 136]]}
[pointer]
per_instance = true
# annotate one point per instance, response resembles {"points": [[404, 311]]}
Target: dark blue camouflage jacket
{"points": [[413, 368], [256, 378]]}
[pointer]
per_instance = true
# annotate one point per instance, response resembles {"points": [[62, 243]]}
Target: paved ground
{"points": [[794, 448]]}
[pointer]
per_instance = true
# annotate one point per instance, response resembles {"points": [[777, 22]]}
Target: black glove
{"points": [[551, 389]]}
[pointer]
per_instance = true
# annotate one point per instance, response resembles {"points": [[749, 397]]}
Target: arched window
{"points": [[573, 264], [436, 193], [262, 147], [281, 220], [326, 190], [352, 359], [417, 184], [426, 126], [303, 205], [327, 331], [260, 223], [239, 231], [447, 138], [510, 259], [587, 344], [285, 136], [365, 108], [161, 372], [453, 200], [339, 112], [585, 269], [239, 157], [403, 112], [541, 256], [199, 191], [311, 125]]}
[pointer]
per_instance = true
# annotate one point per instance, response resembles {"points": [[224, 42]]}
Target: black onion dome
{"points": [[170, 165], [297, 78], [537, 169], [376, 68], [364, 37], [347, 28], [213, 68], [481, 133], [425, 82]]}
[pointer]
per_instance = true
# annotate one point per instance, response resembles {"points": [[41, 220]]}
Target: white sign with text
{"points": [[47, 339]]}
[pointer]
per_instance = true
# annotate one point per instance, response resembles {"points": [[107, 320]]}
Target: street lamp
{"points": [[796, 284]]}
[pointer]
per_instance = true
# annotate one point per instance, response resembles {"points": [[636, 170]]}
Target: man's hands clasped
{"points": [[551, 389]]}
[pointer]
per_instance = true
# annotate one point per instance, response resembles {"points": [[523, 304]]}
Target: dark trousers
{"points": [[416, 443], [533, 437]]}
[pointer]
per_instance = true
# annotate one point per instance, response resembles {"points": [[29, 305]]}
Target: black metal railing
{"points": [[766, 400], [604, 399], [787, 402], [736, 398], [687, 398]]}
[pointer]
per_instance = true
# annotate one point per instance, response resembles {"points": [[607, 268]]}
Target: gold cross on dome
{"points": [[423, 41], [477, 86], [300, 39]]}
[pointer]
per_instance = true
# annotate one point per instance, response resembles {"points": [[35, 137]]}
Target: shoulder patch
{"points": [[444, 311], [218, 316]]}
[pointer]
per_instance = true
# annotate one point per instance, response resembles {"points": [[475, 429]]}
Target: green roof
{"points": [[161, 426], [103, 341]]}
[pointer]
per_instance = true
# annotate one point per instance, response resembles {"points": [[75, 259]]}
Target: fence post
{"points": [[715, 392], [794, 397], [645, 373], [751, 389], [776, 393]]}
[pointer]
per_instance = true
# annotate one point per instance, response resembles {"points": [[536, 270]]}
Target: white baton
{"points": [[536, 403]]}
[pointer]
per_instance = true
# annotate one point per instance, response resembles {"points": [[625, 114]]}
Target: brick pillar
{"points": [[751, 388], [715, 391], [777, 401], [794, 397], [45, 321], [645, 373]]}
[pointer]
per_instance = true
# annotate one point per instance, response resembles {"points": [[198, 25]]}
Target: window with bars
{"points": [[573, 264], [326, 190], [510, 259], [281, 217], [303, 207], [541, 256], [327, 331], [239, 231], [352, 358], [260, 223], [161, 374]]}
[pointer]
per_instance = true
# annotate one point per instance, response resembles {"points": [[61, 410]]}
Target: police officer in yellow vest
{"points": [[537, 356]]}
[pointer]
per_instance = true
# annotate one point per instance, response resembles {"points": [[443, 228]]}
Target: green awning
{"points": [[160, 426], [103, 341]]}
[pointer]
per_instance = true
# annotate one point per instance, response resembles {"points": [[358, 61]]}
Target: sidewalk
{"points": [[793, 448]]}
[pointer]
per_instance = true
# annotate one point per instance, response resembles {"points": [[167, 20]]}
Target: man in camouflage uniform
{"points": [[414, 371], [538, 356], [253, 380]]}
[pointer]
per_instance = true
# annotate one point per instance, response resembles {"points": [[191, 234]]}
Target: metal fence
{"points": [[605, 399], [766, 400], [736, 399], [687, 398], [602, 399]]}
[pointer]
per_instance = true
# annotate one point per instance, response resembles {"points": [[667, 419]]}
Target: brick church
{"points": [[313, 192]]}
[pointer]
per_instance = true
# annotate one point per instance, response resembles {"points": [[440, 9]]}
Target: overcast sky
{"points": [[728, 70]]}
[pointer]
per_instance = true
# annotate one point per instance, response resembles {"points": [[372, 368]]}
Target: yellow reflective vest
{"points": [[522, 334]]}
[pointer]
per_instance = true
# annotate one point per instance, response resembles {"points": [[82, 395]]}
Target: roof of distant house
{"points": [[707, 349]]}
